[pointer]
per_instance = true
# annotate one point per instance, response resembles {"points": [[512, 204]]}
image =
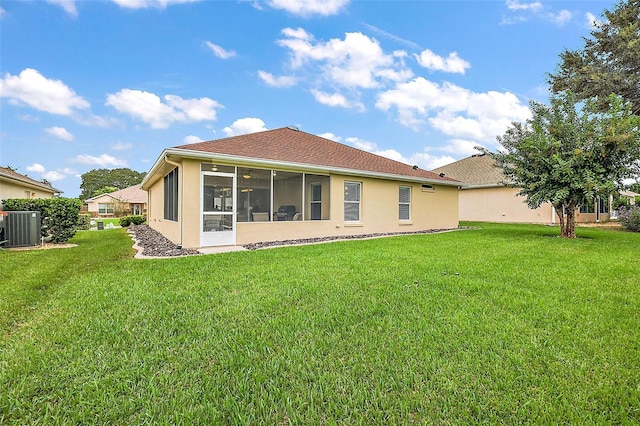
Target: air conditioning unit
{"points": [[22, 229]]}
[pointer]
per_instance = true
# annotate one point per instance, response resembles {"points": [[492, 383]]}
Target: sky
{"points": [[91, 84]]}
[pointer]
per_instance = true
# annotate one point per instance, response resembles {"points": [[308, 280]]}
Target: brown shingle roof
{"points": [[290, 145], [10, 174], [475, 170]]}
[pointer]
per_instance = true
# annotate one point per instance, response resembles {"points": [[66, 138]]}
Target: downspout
{"points": [[181, 212]]}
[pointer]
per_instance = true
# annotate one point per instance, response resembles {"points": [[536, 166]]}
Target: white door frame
{"points": [[218, 238]]}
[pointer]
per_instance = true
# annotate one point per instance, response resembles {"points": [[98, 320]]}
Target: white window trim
{"points": [[359, 203], [408, 204]]}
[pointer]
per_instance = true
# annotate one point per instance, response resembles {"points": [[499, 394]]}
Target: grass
{"points": [[503, 324], [115, 221]]}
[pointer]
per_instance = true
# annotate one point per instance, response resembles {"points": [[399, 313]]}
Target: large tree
{"points": [[569, 153], [101, 178], [608, 63]]}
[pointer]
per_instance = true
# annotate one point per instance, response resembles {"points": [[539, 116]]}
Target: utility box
{"points": [[22, 229]]}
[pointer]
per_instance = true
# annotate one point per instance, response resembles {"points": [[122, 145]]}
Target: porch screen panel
{"points": [[287, 195], [171, 195], [253, 195], [317, 197]]}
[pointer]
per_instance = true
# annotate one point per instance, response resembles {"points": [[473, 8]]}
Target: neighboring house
{"points": [[630, 196], [486, 197], [16, 185], [131, 200], [286, 184]]}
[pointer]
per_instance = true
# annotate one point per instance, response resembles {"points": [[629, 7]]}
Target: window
{"points": [[171, 195], [588, 207], [603, 205], [105, 208], [352, 201], [404, 203]]}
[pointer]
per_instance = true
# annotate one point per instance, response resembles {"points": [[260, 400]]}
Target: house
{"points": [[486, 198], [630, 196], [131, 200], [286, 184], [16, 185]]}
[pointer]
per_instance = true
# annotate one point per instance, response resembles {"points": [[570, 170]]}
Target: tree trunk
{"points": [[560, 214], [569, 228]]}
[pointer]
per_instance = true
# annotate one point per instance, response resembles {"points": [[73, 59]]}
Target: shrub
{"points": [[59, 216], [629, 217], [132, 219], [84, 221]]}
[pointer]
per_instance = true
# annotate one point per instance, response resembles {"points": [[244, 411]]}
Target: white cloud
{"points": [[453, 110], [219, 51], [335, 99], [33, 89], [516, 5], [330, 136], [104, 160], [308, 8], [68, 6], [60, 133], [524, 11], [243, 126], [149, 108], [357, 61], [362, 144], [462, 147], [592, 21], [282, 81], [393, 37], [53, 176], [121, 146], [561, 17], [430, 162], [36, 167], [453, 63], [424, 160], [146, 4], [3, 12], [192, 139]]}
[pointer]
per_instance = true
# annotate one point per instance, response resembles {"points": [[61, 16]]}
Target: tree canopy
{"points": [[608, 63], [113, 178], [569, 153]]}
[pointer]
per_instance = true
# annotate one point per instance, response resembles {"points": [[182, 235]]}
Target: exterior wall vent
{"points": [[427, 188], [22, 229]]}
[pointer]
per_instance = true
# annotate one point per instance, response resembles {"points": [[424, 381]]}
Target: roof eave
{"points": [[227, 158], [35, 185]]}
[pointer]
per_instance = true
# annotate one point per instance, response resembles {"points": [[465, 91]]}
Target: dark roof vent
{"points": [[415, 167], [441, 175], [294, 128]]}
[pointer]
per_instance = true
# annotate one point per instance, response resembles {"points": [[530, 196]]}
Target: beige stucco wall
{"points": [[9, 189], [94, 205], [501, 204], [435, 209]]}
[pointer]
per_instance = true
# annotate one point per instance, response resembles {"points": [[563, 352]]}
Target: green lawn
{"points": [[503, 324]]}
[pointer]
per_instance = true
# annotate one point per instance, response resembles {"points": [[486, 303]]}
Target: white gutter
{"points": [[295, 166]]}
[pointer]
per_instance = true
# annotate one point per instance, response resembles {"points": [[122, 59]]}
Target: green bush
{"points": [[84, 222], [59, 216], [132, 219]]}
